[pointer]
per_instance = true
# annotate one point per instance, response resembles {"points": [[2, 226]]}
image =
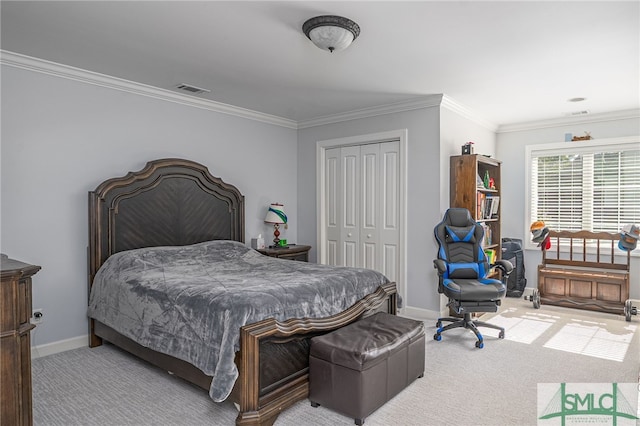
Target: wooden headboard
{"points": [[170, 202]]}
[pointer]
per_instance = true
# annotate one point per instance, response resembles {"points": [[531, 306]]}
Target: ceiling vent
{"points": [[192, 89], [577, 113]]}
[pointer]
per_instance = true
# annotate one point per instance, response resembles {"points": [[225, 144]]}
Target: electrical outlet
{"points": [[37, 316]]}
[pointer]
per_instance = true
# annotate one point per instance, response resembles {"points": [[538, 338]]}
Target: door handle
{"points": [[349, 234], [368, 235]]}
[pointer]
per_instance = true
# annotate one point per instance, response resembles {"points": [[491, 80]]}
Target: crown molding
{"points": [[568, 121], [468, 113], [29, 63], [43, 66], [427, 101]]}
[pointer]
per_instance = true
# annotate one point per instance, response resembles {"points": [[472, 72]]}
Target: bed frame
{"points": [[173, 202]]}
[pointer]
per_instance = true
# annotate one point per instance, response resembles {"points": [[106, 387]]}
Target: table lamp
{"points": [[277, 216]]}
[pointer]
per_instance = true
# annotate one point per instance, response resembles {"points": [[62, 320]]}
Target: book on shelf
{"points": [[480, 205], [486, 238], [486, 211], [491, 255], [495, 204], [487, 206]]}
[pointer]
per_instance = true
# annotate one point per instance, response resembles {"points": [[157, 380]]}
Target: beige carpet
{"points": [[463, 385]]}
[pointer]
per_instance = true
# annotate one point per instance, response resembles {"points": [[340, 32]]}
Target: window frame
{"points": [[577, 147]]}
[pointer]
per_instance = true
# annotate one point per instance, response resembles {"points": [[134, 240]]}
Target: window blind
{"points": [[596, 188]]}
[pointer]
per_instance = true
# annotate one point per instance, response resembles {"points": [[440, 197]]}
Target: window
{"points": [[589, 185]]}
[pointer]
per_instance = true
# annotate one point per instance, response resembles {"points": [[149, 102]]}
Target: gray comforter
{"points": [[190, 301]]}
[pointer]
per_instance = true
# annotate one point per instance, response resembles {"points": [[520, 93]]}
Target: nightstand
{"points": [[291, 252]]}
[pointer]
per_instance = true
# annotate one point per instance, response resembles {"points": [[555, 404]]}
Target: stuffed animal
{"points": [[629, 236]]}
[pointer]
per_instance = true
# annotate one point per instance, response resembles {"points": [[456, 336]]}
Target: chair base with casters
{"points": [[467, 322]]}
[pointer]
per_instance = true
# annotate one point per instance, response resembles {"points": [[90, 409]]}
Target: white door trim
{"points": [[321, 146]]}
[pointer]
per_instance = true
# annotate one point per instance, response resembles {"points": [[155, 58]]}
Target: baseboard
{"points": [[425, 314], [528, 291], [419, 313], [59, 346]]}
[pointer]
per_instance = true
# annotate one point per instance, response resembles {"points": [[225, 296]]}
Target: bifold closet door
{"points": [[380, 217], [342, 203], [362, 202]]}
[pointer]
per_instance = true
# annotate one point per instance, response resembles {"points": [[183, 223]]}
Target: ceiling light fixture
{"points": [[576, 99], [330, 32]]}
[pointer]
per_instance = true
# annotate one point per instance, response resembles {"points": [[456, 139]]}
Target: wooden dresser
{"points": [[15, 341]]}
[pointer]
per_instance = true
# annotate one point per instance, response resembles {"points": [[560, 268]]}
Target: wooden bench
{"points": [[584, 270]]}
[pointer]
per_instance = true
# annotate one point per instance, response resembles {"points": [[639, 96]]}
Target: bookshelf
{"points": [[474, 183]]}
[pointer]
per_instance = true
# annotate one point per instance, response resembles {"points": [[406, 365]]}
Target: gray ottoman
{"points": [[354, 370]]}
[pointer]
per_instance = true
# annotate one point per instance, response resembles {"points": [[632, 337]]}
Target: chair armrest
{"points": [[504, 265], [440, 265]]}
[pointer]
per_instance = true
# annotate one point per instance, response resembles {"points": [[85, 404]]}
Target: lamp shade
{"points": [[276, 214], [331, 32]]}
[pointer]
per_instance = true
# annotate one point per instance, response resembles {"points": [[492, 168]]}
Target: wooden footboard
{"points": [[263, 410], [273, 360]]}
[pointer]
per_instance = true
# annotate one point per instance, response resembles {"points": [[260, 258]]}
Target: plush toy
{"points": [[629, 236], [540, 235]]}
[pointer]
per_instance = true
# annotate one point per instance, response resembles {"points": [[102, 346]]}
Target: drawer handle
{"points": [[368, 235], [349, 234]]}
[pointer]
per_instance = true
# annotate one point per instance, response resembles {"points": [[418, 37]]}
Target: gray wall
{"points": [[61, 138], [510, 149], [423, 189], [456, 130]]}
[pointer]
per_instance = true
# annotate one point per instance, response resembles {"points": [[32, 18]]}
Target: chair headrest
{"points": [[456, 216]]}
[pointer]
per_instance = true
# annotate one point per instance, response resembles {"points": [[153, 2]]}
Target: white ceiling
{"points": [[507, 61]]}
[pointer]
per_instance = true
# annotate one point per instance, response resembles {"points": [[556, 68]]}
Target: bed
{"points": [[176, 206]]}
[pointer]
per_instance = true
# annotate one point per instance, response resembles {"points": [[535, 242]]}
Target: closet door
{"points": [[369, 256], [379, 208], [332, 206], [342, 198], [362, 198], [389, 211], [350, 206]]}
